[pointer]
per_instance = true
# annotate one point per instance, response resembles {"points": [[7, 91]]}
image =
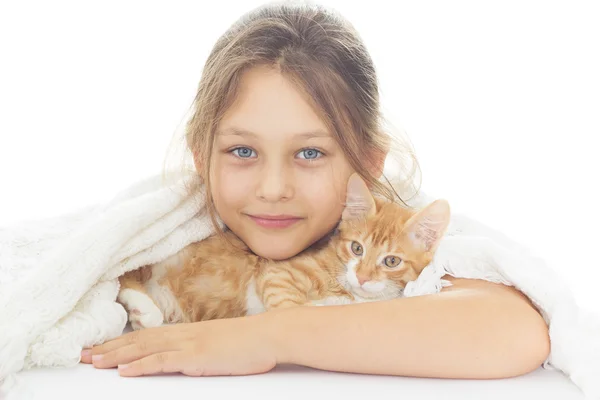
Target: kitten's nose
{"points": [[362, 279]]}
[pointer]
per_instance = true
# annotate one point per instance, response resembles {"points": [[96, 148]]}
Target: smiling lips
{"points": [[274, 221]]}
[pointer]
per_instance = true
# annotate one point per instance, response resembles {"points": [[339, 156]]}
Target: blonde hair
{"points": [[323, 55]]}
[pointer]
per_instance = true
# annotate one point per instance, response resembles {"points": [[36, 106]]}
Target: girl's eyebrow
{"points": [[233, 131]]}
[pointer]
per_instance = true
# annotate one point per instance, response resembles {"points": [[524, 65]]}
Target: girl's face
{"points": [[278, 177]]}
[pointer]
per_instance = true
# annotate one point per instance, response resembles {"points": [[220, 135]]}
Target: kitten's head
{"points": [[385, 245]]}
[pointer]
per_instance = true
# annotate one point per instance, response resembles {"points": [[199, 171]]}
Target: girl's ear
{"points": [[359, 200], [376, 163], [426, 228]]}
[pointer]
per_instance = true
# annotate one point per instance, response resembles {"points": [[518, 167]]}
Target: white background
{"points": [[500, 99]]}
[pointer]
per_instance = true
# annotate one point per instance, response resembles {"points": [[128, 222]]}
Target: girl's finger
{"points": [[165, 334], [132, 352], [121, 341], [159, 334], [158, 363], [153, 340]]}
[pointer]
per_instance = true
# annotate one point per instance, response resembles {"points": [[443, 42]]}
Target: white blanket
{"points": [[58, 277]]}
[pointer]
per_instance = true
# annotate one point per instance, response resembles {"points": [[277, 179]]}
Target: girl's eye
{"points": [[357, 248], [310, 154], [392, 261], [243, 152]]}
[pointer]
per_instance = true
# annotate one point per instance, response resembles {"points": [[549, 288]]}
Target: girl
{"points": [[286, 110]]}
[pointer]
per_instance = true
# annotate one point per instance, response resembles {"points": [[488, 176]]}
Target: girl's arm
{"points": [[473, 329]]}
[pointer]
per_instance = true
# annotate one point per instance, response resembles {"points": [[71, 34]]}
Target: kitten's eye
{"points": [[392, 261], [357, 248]]}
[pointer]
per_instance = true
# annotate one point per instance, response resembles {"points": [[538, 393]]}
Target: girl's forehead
{"points": [[266, 101]]}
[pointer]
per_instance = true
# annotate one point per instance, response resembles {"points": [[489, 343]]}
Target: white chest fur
{"points": [[253, 303]]}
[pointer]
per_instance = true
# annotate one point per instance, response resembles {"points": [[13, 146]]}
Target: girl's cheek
{"points": [[325, 183], [233, 183], [321, 192]]}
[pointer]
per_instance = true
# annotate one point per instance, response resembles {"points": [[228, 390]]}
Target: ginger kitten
{"points": [[377, 248]]}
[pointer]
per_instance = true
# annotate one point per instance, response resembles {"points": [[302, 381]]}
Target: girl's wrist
{"points": [[276, 329]]}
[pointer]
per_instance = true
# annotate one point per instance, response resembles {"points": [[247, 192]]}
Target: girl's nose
{"points": [[275, 185]]}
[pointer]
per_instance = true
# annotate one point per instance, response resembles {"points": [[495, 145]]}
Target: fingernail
{"points": [[97, 357], [85, 353], [122, 366]]}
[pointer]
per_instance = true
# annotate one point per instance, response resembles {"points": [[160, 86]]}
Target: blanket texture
{"points": [[58, 276]]}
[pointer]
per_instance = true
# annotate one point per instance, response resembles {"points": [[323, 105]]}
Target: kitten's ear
{"points": [[359, 200], [426, 228]]}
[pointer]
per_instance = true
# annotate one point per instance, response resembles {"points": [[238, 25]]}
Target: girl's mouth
{"points": [[274, 221]]}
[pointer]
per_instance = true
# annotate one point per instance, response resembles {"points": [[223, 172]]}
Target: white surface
{"points": [[290, 382]]}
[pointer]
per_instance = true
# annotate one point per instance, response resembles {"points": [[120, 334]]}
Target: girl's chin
{"points": [[275, 250]]}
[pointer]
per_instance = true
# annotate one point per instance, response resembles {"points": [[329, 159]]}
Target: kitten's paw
{"points": [[142, 311], [149, 319]]}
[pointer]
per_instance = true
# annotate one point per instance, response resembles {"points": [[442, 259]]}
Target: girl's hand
{"points": [[237, 346]]}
